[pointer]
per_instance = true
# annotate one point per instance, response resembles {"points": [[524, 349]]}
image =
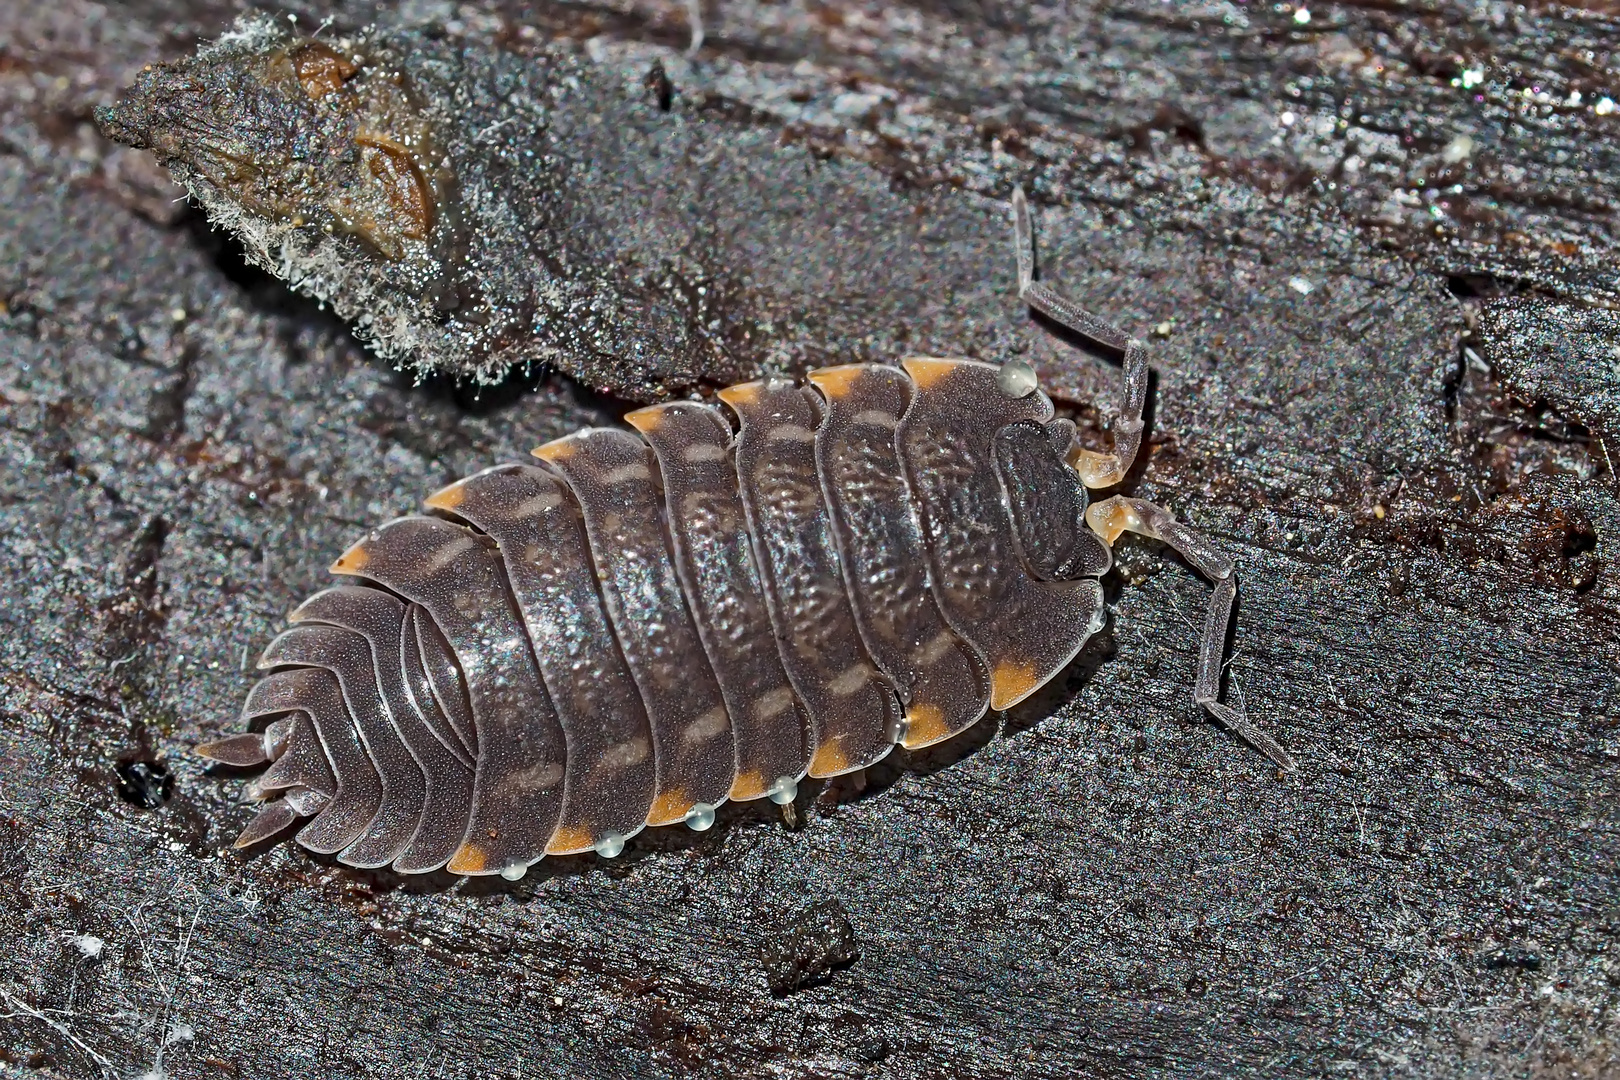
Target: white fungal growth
{"points": [[89, 945], [1459, 149]]}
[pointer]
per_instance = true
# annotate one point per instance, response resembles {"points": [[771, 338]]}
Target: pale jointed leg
{"points": [[694, 17], [1096, 470], [1111, 517]]}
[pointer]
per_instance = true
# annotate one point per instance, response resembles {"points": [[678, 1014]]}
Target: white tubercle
{"points": [[700, 817], [1017, 379]]}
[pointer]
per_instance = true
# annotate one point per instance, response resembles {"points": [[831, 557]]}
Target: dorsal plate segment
{"points": [[315, 692], [943, 683], [456, 577], [1027, 630], [714, 557], [531, 515], [854, 715], [382, 620], [347, 655]]}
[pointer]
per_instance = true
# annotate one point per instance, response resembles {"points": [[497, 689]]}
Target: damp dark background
{"points": [[1373, 248]]}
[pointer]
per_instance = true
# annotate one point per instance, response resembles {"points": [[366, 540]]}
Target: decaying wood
{"points": [[1372, 250]]}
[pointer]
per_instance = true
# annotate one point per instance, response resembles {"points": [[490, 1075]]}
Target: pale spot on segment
{"points": [[626, 754], [539, 504], [446, 555], [790, 433], [542, 777], [938, 647], [851, 680], [925, 725], [835, 382], [352, 561], [468, 859], [877, 418], [926, 371], [625, 473], [570, 840], [830, 760], [1011, 683], [698, 453], [709, 725], [773, 703]]}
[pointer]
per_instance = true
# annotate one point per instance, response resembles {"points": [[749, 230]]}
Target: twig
{"points": [[1102, 925], [181, 949], [1227, 865], [22, 1008], [1291, 978]]}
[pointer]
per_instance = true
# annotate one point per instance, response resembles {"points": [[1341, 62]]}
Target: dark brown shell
{"points": [[640, 628]]}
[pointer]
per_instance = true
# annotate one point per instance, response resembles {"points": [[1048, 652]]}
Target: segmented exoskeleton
{"points": [[646, 624]]}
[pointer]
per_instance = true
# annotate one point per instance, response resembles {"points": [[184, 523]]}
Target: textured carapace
{"points": [[646, 624]]}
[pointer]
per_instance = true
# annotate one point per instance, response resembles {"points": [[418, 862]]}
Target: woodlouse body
{"points": [[646, 624]]}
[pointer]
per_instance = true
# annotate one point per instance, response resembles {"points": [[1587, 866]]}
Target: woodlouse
{"points": [[646, 624]]}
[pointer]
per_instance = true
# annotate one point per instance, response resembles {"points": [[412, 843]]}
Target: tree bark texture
{"points": [[1373, 249]]}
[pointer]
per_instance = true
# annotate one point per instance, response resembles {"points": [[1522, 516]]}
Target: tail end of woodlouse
{"points": [[244, 751], [271, 820], [299, 782]]}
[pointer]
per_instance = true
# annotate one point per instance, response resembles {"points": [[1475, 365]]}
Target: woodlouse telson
{"points": [[644, 625]]}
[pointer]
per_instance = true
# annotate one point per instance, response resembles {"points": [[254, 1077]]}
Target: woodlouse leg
{"points": [[1096, 470], [1111, 517], [694, 18]]}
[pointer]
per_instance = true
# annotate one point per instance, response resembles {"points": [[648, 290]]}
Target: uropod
{"points": [[644, 624]]}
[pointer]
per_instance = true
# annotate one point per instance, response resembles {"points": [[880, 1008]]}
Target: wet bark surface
{"points": [[1372, 248]]}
